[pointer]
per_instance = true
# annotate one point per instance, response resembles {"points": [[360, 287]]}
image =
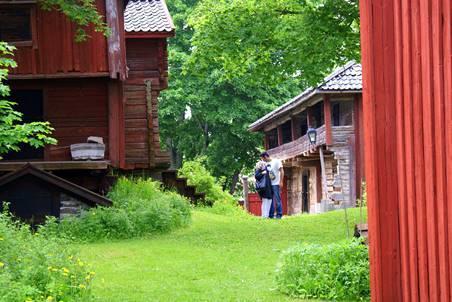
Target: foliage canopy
{"points": [[233, 61]]}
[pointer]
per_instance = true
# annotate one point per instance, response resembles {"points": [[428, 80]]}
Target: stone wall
{"points": [[70, 206]]}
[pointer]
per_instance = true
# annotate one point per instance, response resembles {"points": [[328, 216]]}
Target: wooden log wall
{"points": [[54, 50], [407, 77], [147, 64]]}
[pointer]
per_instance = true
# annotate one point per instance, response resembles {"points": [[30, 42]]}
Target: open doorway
{"points": [[30, 104]]}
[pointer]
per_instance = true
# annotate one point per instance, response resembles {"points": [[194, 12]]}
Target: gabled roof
{"points": [[147, 16], [77, 191], [344, 79]]}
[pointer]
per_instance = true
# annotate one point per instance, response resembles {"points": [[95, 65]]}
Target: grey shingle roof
{"points": [[147, 16], [344, 79]]}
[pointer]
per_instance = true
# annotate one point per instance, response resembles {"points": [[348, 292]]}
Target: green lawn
{"points": [[217, 258]]}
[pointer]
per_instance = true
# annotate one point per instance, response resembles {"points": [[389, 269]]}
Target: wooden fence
{"points": [[407, 94]]}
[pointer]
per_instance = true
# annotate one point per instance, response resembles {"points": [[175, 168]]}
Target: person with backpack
{"points": [[264, 187]]}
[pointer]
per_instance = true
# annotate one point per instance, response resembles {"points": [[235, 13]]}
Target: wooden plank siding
{"points": [[76, 108], [407, 99], [54, 50]]}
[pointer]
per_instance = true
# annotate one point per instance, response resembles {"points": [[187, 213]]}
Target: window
{"points": [[272, 138], [15, 24], [286, 130], [303, 123], [317, 115], [342, 113]]}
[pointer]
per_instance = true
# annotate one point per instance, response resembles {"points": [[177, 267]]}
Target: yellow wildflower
{"points": [[1, 264], [49, 298], [82, 286], [28, 300], [65, 270]]}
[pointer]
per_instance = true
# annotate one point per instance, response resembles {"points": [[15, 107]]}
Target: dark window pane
{"points": [[342, 113], [286, 130], [15, 24], [272, 138], [303, 123], [30, 104], [317, 115]]}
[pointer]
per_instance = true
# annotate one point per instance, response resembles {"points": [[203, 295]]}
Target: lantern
{"points": [[312, 135]]}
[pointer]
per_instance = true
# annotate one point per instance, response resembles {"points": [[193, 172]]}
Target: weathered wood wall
{"points": [[55, 51], [406, 56], [147, 63], [76, 108]]}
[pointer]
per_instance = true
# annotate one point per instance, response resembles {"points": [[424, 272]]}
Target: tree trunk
{"points": [[235, 179]]}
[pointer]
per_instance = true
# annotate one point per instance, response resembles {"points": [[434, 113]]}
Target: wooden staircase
{"points": [[170, 179]]}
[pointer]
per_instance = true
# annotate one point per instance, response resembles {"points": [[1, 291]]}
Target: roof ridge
{"points": [[336, 72]]}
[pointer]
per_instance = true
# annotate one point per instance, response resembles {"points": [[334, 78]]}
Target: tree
{"points": [[234, 61], [13, 132]]}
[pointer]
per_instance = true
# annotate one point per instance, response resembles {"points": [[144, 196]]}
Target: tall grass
{"points": [[140, 207], [338, 271], [39, 266]]}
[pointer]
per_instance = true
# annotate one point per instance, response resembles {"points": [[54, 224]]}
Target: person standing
{"points": [[276, 173], [263, 187]]}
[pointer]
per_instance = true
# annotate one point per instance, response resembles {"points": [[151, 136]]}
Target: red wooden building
{"points": [[407, 98], [103, 87], [328, 174]]}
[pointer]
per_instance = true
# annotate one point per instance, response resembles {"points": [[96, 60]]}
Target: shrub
{"points": [[330, 272], [39, 267], [200, 177], [139, 208]]}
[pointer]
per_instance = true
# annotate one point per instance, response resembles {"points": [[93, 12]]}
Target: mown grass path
{"points": [[217, 258]]}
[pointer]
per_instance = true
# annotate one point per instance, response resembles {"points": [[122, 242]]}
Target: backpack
{"points": [[262, 183]]}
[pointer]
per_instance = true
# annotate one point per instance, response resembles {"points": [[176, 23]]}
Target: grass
{"points": [[217, 258]]}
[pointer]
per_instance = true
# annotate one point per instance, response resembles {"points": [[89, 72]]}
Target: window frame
{"points": [[338, 102], [31, 6]]}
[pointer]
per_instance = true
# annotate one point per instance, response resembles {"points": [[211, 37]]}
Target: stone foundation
{"points": [[70, 206]]}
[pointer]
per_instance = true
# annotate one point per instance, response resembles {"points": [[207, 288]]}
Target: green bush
{"points": [[139, 208], [328, 272], [200, 177], [39, 267]]}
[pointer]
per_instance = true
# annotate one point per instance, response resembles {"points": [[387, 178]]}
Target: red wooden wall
{"points": [[76, 108], [407, 77], [55, 50]]}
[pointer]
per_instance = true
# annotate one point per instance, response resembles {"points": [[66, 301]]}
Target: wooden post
{"points": [[309, 117], [245, 192], [296, 129], [114, 116], [327, 115], [322, 167], [280, 140]]}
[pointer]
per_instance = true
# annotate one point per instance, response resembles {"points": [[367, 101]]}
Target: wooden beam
{"points": [[323, 171], [327, 116], [114, 103], [62, 75], [56, 165], [149, 35], [280, 140], [309, 116]]}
